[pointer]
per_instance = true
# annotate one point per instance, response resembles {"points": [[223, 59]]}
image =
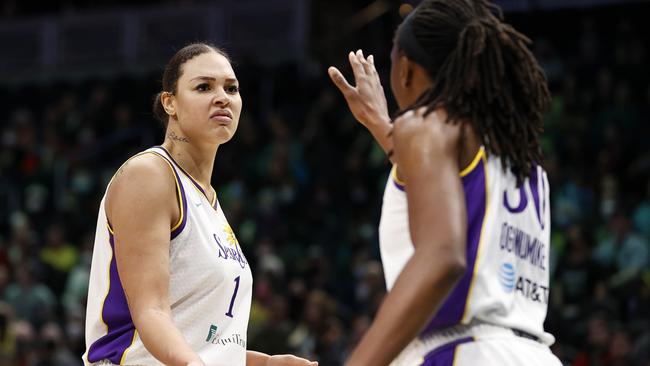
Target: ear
{"points": [[405, 71], [169, 103]]}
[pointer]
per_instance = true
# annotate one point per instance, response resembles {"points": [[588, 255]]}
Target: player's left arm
{"points": [[426, 154], [254, 358]]}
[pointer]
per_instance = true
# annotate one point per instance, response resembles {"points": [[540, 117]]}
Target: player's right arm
{"points": [[141, 205], [426, 152], [366, 99]]}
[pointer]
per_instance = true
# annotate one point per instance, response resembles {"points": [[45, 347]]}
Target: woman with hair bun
{"points": [[169, 283]]}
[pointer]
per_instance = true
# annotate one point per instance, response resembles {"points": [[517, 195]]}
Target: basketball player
{"points": [[169, 283], [464, 231]]}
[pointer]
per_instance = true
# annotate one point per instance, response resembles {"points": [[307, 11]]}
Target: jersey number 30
{"points": [[538, 190]]}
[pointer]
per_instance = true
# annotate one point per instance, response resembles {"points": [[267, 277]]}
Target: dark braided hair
{"points": [[482, 73]]}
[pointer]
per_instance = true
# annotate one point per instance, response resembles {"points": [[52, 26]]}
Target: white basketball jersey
{"points": [[508, 238], [210, 286]]}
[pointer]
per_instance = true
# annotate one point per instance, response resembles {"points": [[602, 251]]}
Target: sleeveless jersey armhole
{"points": [[177, 228]]}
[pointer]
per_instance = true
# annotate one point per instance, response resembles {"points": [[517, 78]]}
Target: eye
{"points": [[232, 89], [203, 87]]}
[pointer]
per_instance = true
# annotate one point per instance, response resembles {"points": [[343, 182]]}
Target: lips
{"points": [[222, 115], [221, 112]]}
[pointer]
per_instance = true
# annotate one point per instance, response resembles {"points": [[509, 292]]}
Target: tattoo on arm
{"points": [[172, 135]]}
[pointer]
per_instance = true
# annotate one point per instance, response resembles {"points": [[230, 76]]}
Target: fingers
{"points": [[357, 67], [339, 80], [362, 66], [368, 67], [297, 361], [302, 361], [371, 59]]}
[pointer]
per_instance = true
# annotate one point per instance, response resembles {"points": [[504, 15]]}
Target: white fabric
{"points": [[510, 278], [206, 262]]}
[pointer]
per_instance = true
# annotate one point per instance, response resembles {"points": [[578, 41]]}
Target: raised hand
{"points": [[366, 99]]}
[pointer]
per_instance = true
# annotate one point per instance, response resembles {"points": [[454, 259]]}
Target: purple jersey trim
{"points": [[175, 232], [196, 184], [445, 354], [116, 316], [452, 310], [399, 186]]}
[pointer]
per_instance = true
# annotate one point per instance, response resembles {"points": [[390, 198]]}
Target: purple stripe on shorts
{"points": [[116, 315], [452, 310], [444, 355]]}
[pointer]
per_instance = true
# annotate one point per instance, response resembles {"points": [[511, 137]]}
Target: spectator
{"points": [[622, 250], [59, 258], [299, 186]]}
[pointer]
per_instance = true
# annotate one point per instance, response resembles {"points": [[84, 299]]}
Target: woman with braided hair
{"points": [[464, 232]]}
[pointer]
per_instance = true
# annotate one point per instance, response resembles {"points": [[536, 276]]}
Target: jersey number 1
{"points": [[232, 300]]}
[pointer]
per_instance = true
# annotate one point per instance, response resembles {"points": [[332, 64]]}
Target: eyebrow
{"points": [[212, 78]]}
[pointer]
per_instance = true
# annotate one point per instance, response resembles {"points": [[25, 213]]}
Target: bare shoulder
{"points": [[432, 130], [143, 183], [442, 133], [425, 144]]}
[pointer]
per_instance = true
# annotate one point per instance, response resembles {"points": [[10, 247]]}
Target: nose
{"points": [[221, 98]]}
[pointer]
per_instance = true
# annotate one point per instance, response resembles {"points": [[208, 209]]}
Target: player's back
{"points": [[506, 281]]}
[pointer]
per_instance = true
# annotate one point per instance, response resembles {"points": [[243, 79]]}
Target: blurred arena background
{"points": [[301, 181]]}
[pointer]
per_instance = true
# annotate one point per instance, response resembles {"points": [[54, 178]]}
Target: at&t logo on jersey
{"points": [[532, 290], [521, 285], [507, 277]]}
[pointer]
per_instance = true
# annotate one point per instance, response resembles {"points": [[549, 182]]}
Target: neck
{"points": [[195, 159]]}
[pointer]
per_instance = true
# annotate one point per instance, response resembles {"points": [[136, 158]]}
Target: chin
{"points": [[221, 134], [222, 138]]}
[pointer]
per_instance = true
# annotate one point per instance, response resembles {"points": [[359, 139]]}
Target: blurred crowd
{"points": [[301, 183]]}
